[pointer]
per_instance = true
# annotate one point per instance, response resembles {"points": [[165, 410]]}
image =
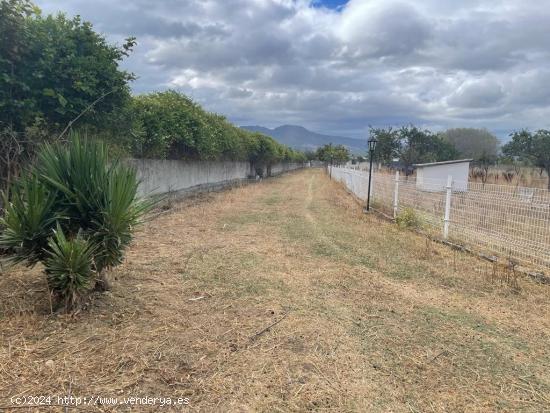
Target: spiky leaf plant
{"points": [[121, 212], [69, 266], [78, 189], [30, 215]]}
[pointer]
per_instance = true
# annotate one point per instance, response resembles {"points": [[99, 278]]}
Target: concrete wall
{"points": [[158, 176], [284, 167]]}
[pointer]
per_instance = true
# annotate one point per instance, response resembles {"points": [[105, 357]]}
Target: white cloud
{"points": [[477, 94], [431, 62], [382, 29]]}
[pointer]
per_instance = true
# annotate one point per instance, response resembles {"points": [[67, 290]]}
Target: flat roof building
{"points": [[433, 176]]}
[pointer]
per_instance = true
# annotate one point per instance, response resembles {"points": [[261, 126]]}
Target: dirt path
{"points": [[284, 296]]}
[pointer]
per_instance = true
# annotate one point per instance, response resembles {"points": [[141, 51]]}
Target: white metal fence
{"points": [[511, 222]]}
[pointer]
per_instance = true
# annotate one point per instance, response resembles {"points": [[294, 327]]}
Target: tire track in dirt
{"points": [[317, 232]]}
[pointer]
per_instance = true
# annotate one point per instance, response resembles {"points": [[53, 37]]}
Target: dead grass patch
{"points": [[360, 316]]}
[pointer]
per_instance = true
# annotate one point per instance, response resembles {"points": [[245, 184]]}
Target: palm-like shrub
{"points": [[74, 211], [29, 219], [69, 266]]}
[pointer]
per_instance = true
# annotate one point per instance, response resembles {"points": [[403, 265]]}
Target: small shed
{"points": [[432, 177]]}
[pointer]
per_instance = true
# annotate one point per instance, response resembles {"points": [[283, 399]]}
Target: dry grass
{"points": [[363, 316], [516, 176], [509, 175]]}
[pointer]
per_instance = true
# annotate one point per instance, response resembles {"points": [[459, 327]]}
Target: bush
{"points": [[70, 266], [74, 211], [171, 125], [408, 218]]}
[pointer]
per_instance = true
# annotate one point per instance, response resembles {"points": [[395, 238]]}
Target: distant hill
{"points": [[300, 138]]}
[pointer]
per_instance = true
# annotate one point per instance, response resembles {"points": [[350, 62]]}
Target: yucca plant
{"points": [[69, 266], [30, 215], [75, 211]]}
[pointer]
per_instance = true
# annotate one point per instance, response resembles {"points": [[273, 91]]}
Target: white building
{"points": [[433, 176]]}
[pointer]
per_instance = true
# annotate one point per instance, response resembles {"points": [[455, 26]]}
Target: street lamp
{"points": [[372, 146]]}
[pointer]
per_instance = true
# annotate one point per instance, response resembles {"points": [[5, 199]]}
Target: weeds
{"points": [[408, 218]]}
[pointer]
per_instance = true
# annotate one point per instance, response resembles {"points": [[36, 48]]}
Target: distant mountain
{"points": [[300, 138]]}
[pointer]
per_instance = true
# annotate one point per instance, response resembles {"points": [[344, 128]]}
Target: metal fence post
{"points": [[396, 195], [447, 219]]}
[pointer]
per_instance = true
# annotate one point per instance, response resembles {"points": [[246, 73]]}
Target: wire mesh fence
{"points": [[508, 221]]}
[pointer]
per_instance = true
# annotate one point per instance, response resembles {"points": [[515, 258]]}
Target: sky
{"points": [[338, 66]]}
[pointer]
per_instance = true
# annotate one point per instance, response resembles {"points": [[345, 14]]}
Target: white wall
{"points": [[159, 176], [434, 178], [284, 167]]}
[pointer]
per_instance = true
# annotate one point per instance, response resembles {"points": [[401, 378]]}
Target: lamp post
{"points": [[372, 146]]}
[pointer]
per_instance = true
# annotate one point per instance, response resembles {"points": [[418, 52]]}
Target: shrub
{"points": [[69, 266], [75, 211], [171, 125], [408, 218]]}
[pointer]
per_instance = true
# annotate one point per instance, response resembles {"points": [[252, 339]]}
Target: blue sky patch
{"points": [[330, 4]]}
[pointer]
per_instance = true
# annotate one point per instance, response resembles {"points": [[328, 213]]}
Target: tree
{"points": [[265, 153], [411, 145], [310, 155], [53, 68], [531, 147], [14, 15], [484, 161], [420, 146], [478, 144], [341, 154], [75, 212], [388, 145], [333, 155]]}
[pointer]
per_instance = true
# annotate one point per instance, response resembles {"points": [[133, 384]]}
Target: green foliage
{"points": [[173, 126], [530, 147], [53, 68], [412, 145], [521, 146], [265, 151], [28, 220], [408, 218], [333, 155], [56, 69], [478, 144], [420, 146], [89, 197], [310, 155], [388, 145], [69, 266]]}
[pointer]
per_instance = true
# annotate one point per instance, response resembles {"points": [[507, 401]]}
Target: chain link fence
{"points": [[509, 221]]}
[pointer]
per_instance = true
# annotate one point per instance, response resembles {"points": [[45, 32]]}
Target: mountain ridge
{"points": [[301, 138]]}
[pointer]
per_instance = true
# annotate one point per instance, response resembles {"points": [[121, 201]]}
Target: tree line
{"points": [[411, 145], [57, 74]]}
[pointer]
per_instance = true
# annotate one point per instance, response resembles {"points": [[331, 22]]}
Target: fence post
{"points": [[447, 219], [396, 195], [372, 188]]}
